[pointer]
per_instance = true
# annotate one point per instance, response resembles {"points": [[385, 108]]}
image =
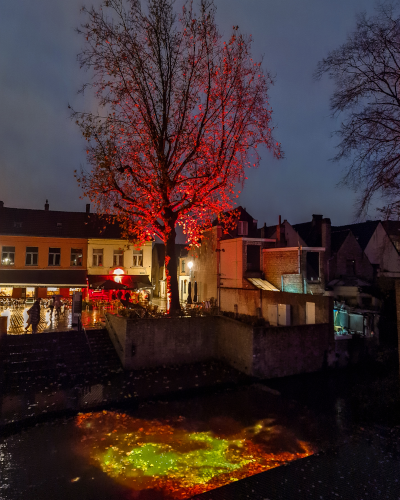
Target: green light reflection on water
{"points": [[159, 459]]}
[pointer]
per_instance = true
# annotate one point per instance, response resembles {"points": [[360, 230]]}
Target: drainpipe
{"points": [[299, 264], [298, 260]]}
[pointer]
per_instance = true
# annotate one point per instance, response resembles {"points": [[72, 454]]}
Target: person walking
{"points": [[34, 315], [57, 306], [51, 307]]}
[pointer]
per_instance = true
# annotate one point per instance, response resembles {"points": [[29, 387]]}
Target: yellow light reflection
{"points": [[180, 462]]}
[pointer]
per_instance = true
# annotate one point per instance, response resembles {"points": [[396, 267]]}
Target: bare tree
{"points": [[366, 71], [181, 115]]}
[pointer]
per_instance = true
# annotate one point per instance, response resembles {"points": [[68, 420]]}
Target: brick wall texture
{"points": [[276, 263]]}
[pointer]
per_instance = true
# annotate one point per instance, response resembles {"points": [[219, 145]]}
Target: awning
{"points": [[43, 277], [132, 282], [262, 284]]}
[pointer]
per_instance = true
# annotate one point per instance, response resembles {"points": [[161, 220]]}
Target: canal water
{"points": [[164, 450], [167, 450]]}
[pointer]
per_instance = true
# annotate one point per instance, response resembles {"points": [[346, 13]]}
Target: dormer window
{"points": [[18, 224], [243, 228], [59, 224]]}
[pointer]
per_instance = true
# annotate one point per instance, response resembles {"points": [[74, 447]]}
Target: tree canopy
{"points": [[366, 72], [180, 116]]}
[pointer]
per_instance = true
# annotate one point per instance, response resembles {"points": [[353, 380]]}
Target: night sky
{"points": [[40, 146]]}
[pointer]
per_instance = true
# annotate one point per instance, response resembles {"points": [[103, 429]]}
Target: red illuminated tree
{"points": [[181, 114]]}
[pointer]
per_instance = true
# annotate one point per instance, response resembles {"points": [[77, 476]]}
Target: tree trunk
{"points": [[171, 270]]}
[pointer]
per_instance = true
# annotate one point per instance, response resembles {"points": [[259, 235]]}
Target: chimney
{"points": [[46, 205], [326, 243], [88, 208], [278, 233], [1, 204]]}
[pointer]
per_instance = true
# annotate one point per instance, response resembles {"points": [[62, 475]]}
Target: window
{"points": [[54, 256], [118, 259], [97, 257], [17, 224], [138, 258], [312, 261], [7, 256], [253, 257], [350, 267], [76, 256], [242, 228], [183, 266], [31, 256], [53, 291], [30, 292]]}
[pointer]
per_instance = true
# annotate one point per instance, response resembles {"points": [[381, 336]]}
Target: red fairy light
{"points": [[183, 173]]}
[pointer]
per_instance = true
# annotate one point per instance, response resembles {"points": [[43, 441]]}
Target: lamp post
{"points": [[189, 298]]}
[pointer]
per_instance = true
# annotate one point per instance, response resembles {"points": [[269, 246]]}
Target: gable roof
{"points": [[309, 233], [52, 223], [338, 238], [362, 231]]}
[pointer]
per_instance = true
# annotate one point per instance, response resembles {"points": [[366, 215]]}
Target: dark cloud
{"points": [[40, 147]]}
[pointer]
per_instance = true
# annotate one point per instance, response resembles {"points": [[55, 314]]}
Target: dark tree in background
{"points": [[366, 71], [180, 116]]}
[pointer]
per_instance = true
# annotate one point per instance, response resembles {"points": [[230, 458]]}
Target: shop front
{"points": [[105, 286], [30, 284]]}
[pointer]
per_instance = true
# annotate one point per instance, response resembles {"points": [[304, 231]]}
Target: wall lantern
{"points": [[118, 273]]}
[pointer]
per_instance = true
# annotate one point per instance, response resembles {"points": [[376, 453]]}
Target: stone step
{"points": [[52, 353]]}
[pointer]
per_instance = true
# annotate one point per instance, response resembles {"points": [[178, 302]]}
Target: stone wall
{"points": [[151, 342], [284, 351], [234, 343], [261, 352]]}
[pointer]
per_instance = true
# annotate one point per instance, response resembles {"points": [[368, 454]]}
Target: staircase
{"points": [[57, 354]]}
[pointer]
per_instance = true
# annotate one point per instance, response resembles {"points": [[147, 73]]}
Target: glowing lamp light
{"points": [[190, 265], [118, 275]]}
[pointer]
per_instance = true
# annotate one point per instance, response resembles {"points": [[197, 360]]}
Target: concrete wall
{"points": [[284, 351], [234, 343], [248, 301], [261, 352], [152, 342]]}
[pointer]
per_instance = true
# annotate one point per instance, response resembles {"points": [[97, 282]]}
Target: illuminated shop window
{"points": [[30, 292], [72, 290], [97, 257], [76, 256], [138, 258], [6, 291], [53, 291], [7, 256], [118, 258], [54, 256], [31, 256]]}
